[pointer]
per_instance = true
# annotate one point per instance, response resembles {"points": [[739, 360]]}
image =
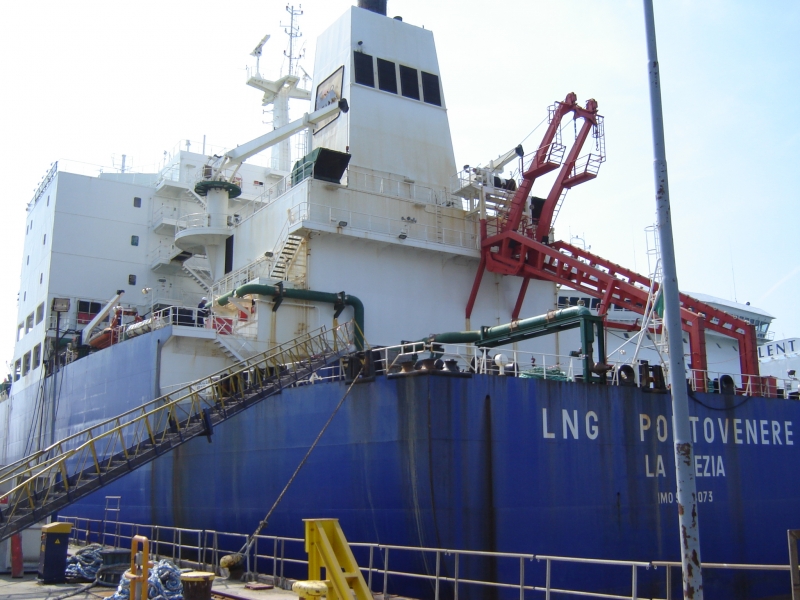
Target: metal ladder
{"points": [[45, 482], [111, 515], [286, 256]]}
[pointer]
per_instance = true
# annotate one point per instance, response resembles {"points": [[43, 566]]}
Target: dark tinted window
{"points": [[409, 84], [363, 69], [430, 89], [387, 77], [137, 202], [229, 254]]}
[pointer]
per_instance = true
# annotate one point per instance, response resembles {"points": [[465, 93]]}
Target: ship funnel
{"points": [[376, 6]]}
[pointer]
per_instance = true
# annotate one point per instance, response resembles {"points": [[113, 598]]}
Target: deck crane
{"points": [[512, 245], [548, 157]]}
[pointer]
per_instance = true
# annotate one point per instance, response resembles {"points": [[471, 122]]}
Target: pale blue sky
{"points": [[85, 81]]}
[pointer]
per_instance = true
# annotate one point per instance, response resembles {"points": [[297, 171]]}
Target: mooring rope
{"points": [[251, 539]]}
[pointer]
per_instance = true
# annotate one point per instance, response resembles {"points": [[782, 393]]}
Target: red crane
{"points": [[523, 248]]}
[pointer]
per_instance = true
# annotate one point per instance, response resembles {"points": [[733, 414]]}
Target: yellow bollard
{"points": [[139, 574]]}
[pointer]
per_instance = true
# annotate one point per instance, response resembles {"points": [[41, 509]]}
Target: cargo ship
{"points": [[509, 390]]}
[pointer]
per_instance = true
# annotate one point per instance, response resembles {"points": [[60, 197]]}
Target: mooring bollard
{"points": [[197, 585]]}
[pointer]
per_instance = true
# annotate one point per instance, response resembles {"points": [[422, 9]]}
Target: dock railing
{"points": [[272, 555]]}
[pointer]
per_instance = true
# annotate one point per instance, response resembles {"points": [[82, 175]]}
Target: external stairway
{"points": [[286, 256], [43, 483]]}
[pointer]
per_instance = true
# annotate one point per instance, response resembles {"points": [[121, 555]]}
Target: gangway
{"points": [[45, 482]]}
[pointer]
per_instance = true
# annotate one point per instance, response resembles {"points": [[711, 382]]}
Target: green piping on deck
{"points": [[309, 295]]}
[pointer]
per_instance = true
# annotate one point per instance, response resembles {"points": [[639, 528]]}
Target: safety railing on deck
{"points": [[191, 221], [398, 228], [258, 268], [539, 365], [79, 462], [367, 181], [272, 556], [742, 385]]}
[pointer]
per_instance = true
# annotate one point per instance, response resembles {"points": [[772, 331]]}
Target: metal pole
{"points": [[684, 459], [54, 381]]}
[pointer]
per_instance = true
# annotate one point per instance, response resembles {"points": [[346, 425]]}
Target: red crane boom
{"points": [[525, 251]]}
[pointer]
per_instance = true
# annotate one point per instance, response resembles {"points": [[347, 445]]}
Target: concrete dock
{"points": [[28, 588]]}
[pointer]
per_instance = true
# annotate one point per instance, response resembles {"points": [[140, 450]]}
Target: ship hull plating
{"points": [[498, 464]]}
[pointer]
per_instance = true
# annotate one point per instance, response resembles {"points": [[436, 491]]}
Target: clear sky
{"points": [[89, 81]]}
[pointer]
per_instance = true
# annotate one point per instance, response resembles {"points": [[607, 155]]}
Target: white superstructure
{"points": [[388, 231]]}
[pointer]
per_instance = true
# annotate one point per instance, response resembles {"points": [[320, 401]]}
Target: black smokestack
{"points": [[376, 6]]}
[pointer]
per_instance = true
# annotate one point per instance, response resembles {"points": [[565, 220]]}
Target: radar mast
{"points": [[277, 93]]}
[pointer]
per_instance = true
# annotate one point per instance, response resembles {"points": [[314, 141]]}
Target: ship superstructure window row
{"points": [[412, 80], [387, 76]]}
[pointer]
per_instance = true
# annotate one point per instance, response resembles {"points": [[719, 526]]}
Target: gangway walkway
{"points": [[45, 482]]}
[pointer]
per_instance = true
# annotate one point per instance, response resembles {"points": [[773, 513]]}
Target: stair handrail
{"points": [[342, 336], [283, 237], [154, 427], [271, 258]]}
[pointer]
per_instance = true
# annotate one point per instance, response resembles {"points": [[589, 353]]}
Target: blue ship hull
{"points": [[481, 463]]}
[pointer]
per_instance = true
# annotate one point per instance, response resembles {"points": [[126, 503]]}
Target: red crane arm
{"points": [[568, 176], [601, 278], [541, 162]]}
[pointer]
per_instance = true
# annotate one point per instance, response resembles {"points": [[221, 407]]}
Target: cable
{"points": [[726, 408], [263, 523], [534, 130]]}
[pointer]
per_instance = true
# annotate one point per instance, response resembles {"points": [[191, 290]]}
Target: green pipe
{"points": [[310, 295], [487, 336]]}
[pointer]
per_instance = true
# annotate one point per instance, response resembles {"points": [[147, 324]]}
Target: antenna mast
{"points": [[293, 31], [279, 92]]}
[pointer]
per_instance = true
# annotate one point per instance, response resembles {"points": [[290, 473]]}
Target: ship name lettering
{"points": [[660, 471], [570, 425], [708, 466], [662, 427], [762, 432]]}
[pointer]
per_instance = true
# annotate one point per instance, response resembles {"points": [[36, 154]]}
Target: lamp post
{"points": [[684, 459], [59, 305]]}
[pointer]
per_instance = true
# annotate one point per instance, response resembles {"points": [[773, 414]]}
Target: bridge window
{"points": [[409, 83], [387, 76], [430, 89], [363, 69]]}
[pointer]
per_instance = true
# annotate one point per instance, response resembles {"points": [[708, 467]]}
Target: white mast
{"points": [[279, 92]]}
